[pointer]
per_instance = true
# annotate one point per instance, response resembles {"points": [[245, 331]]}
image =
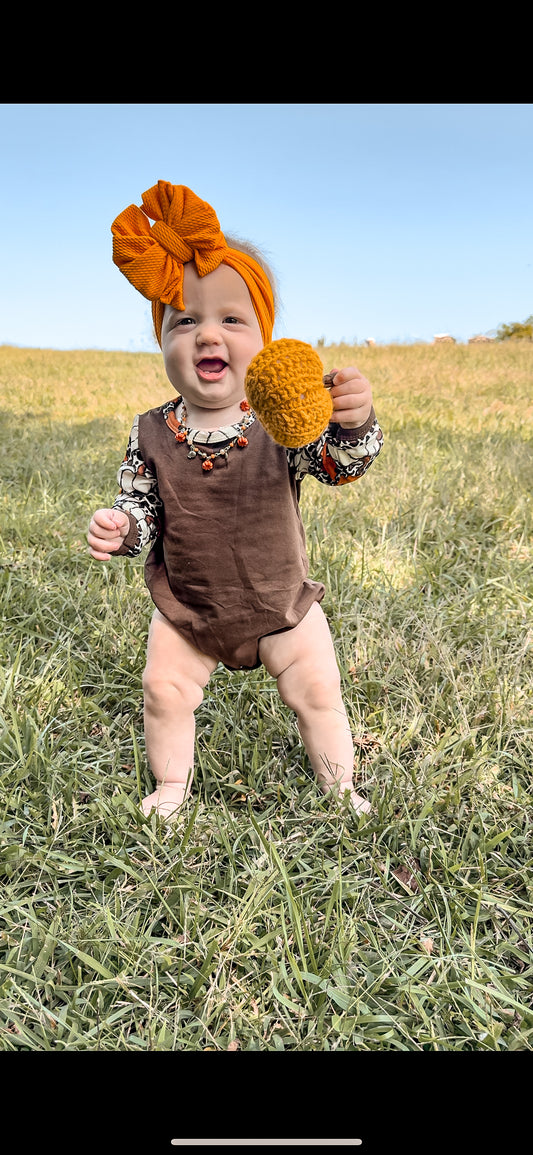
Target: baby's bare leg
{"points": [[173, 682], [303, 662]]}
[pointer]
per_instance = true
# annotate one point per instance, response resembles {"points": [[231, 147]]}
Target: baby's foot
{"points": [[341, 789], [166, 800], [360, 805]]}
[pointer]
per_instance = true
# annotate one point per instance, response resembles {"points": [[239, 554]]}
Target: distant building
{"points": [[479, 339], [443, 338], [369, 341]]}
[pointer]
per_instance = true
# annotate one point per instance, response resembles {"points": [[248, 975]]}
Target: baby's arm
{"points": [[353, 438], [134, 519]]}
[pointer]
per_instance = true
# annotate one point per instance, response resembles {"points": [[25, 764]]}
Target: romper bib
{"points": [[230, 564]]}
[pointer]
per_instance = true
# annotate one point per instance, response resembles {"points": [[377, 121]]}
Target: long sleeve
{"points": [[339, 455], [138, 498]]}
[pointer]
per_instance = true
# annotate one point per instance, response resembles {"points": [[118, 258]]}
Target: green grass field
{"points": [[269, 919]]}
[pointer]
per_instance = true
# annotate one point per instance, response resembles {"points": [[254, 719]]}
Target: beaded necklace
{"points": [[182, 432]]}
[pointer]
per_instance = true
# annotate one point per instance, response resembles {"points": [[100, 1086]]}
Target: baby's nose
{"points": [[208, 335]]}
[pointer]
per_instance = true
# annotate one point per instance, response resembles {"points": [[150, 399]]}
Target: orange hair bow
{"points": [[186, 228]]}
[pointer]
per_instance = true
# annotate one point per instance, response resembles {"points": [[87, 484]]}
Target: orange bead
{"points": [[242, 441], [207, 464], [244, 406]]}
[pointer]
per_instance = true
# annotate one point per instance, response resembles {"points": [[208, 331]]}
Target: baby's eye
{"points": [[231, 320], [183, 321]]}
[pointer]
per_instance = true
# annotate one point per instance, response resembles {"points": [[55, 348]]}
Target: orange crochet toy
{"points": [[285, 387]]}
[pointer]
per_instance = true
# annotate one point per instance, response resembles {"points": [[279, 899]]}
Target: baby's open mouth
{"points": [[210, 368]]}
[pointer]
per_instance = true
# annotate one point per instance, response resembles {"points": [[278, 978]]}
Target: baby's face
{"points": [[207, 348]]}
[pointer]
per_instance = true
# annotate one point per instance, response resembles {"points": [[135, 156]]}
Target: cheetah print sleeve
{"points": [[138, 497], [339, 455]]}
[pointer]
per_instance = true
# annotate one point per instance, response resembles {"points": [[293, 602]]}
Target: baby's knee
{"points": [[178, 692], [310, 689]]}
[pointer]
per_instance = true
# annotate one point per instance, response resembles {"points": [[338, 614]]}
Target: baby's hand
{"points": [[351, 394], [107, 531]]}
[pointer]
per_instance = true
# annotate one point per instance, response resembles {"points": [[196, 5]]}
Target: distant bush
{"points": [[516, 330]]}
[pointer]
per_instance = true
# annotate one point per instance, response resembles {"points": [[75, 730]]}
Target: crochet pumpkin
{"points": [[284, 385]]}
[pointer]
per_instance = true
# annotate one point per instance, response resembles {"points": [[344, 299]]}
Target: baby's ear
{"points": [[285, 387]]}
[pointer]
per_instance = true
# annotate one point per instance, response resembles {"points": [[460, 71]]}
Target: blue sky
{"points": [[391, 221]]}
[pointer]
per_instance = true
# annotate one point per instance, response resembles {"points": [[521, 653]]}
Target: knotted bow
{"points": [[186, 228]]}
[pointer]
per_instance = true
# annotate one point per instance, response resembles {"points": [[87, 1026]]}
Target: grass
{"points": [[269, 919]]}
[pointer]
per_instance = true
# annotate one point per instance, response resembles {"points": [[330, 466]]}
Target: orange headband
{"points": [[186, 228]]}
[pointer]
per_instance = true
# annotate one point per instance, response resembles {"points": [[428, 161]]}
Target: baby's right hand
{"points": [[107, 531]]}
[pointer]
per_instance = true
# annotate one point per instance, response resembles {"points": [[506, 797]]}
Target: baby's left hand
{"points": [[351, 394]]}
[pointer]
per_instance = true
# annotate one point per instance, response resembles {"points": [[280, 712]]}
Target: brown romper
{"points": [[229, 565]]}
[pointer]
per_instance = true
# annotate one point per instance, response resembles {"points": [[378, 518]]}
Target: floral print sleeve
{"points": [[339, 455], [138, 498]]}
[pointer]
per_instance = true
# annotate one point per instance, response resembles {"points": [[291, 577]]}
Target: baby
{"points": [[217, 498]]}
